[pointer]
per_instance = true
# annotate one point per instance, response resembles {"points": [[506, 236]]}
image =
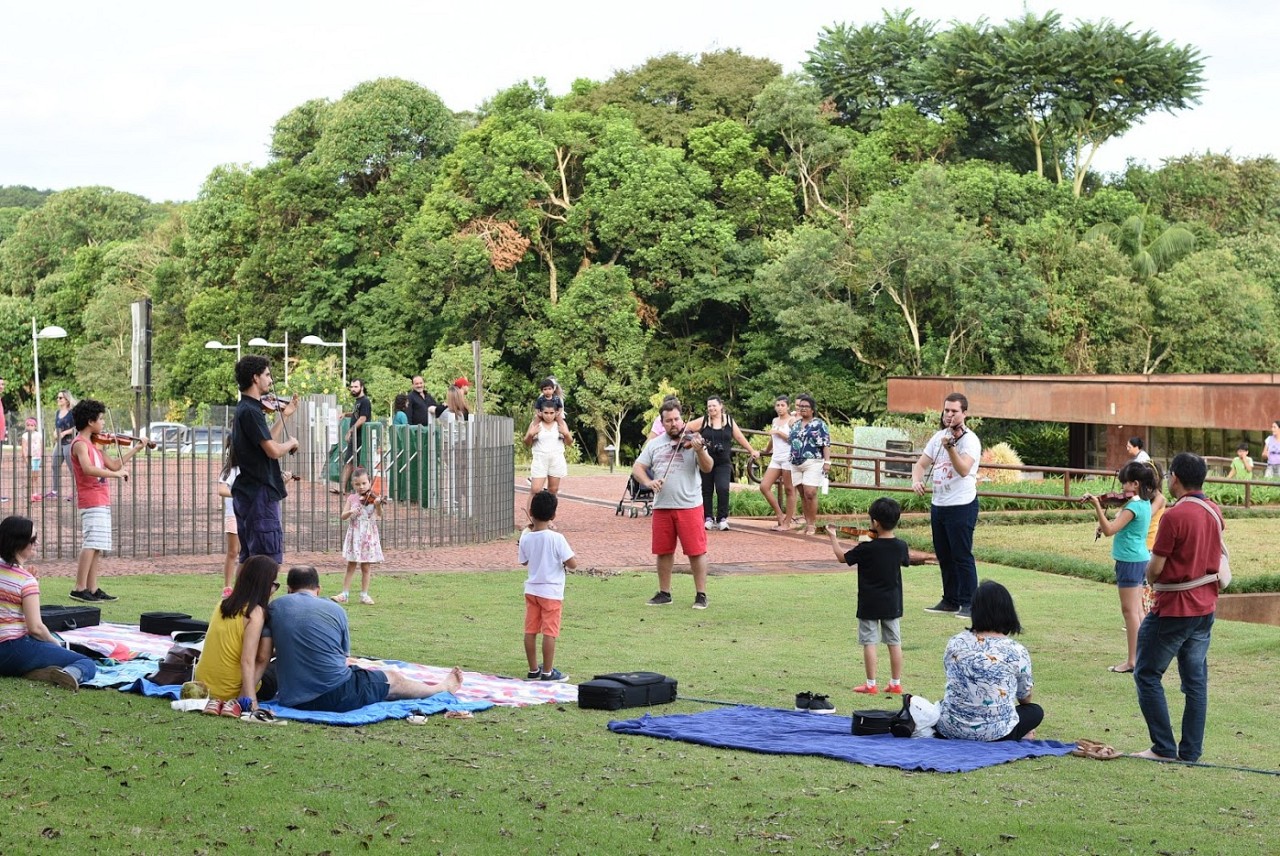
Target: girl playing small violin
{"points": [[1129, 549], [362, 546]]}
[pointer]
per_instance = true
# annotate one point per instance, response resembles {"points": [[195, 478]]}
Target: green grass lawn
{"points": [[105, 772]]}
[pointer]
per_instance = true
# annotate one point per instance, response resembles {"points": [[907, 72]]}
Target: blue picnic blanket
{"points": [[785, 732], [366, 715]]}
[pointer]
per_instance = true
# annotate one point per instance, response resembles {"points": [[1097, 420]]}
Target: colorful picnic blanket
{"points": [[785, 732], [478, 692]]}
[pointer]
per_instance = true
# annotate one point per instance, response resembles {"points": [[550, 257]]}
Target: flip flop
{"points": [[261, 716], [1120, 671]]}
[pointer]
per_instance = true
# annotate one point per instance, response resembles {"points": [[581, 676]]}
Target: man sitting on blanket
{"points": [[312, 641]]}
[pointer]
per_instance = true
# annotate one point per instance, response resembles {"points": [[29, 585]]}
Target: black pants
{"points": [[717, 481], [1029, 716]]}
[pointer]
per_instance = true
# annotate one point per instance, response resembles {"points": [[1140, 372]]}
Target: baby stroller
{"points": [[634, 496]]}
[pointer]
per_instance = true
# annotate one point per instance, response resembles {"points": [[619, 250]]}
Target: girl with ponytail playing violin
{"points": [[1129, 549], [91, 469]]}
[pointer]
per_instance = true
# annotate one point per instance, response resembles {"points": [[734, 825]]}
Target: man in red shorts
{"points": [[670, 464]]}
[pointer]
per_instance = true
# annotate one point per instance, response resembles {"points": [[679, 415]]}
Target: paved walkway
{"points": [[600, 538]]}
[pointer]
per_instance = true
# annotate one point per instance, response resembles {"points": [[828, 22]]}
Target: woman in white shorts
{"points": [[547, 439], [780, 464]]}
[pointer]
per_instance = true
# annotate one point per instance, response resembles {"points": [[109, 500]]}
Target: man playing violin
{"points": [[258, 489], [669, 465], [91, 469], [953, 453]]}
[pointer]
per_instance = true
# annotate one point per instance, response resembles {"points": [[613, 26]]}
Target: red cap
{"points": [[462, 383]]}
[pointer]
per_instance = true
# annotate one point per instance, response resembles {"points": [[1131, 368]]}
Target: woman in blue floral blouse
{"points": [[988, 694], [810, 458]]}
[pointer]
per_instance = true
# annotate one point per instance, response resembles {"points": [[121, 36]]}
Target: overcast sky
{"points": [[148, 97]]}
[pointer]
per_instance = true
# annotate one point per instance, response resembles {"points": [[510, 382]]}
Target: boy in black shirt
{"points": [[880, 562]]}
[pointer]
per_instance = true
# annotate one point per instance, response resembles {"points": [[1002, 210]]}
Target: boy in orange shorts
{"points": [[547, 554]]}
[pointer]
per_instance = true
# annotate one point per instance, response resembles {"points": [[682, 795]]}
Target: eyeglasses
{"points": [[275, 587], [34, 540]]}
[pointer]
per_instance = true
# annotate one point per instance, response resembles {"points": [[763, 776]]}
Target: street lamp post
{"points": [[50, 332], [316, 340], [215, 345], [259, 342]]}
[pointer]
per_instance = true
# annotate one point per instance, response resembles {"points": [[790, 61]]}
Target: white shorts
{"points": [[809, 473], [95, 527], [548, 464]]}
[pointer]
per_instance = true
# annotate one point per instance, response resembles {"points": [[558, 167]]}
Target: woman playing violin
{"points": [[91, 469], [1129, 549]]}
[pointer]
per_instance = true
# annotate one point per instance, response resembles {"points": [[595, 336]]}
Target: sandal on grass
{"points": [[1094, 750], [261, 716]]}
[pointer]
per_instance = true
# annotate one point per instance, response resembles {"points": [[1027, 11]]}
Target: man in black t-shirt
{"points": [[258, 489], [421, 404], [880, 562], [360, 414]]}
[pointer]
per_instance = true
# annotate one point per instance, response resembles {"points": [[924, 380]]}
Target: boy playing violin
{"points": [[91, 469], [879, 562]]}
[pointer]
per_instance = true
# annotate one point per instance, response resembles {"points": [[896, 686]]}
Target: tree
{"points": [[596, 346], [670, 95], [1066, 92], [869, 69]]}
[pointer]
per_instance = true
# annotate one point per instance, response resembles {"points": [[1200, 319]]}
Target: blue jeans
{"points": [[24, 654], [953, 542], [1159, 641]]}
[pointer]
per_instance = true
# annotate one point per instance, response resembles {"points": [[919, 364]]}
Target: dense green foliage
{"points": [[703, 221]]}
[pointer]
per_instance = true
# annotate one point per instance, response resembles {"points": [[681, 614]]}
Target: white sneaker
{"points": [[708, 524], [724, 525]]}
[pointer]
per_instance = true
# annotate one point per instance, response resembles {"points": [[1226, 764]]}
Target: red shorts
{"points": [[683, 523], [542, 615]]}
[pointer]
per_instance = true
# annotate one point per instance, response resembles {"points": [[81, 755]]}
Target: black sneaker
{"points": [[554, 675], [944, 607], [803, 700], [662, 598], [102, 595], [963, 612], [84, 596], [700, 600], [534, 675], [820, 704]]}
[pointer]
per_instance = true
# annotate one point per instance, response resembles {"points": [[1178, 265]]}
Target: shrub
{"points": [[1001, 453]]}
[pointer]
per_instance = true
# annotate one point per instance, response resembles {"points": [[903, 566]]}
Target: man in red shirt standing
{"points": [[1183, 570]]}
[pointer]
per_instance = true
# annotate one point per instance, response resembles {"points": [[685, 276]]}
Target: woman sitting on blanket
{"points": [[27, 647], [233, 660], [988, 694]]}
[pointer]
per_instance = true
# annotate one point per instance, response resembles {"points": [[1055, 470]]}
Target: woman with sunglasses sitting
{"points": [[27, 647], [233, 660]]}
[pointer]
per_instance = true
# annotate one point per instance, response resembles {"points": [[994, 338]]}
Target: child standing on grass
{"points": [[91, 469], [547, 554], [880, 562], [1129, 548], [362, 546]]}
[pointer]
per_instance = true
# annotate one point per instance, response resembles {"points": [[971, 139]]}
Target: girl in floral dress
{"points": [[362, 546]]}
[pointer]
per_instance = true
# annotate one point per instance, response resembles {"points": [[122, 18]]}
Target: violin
{"points": [[1113, 499], [371, 498], [272, 403], [853, 532], [105, 439]]}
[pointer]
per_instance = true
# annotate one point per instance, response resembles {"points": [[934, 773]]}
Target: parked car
{"points": [[207, 441], [169, 436]]}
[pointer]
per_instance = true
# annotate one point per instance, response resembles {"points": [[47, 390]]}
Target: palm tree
{"points": [[1162, 253]]}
